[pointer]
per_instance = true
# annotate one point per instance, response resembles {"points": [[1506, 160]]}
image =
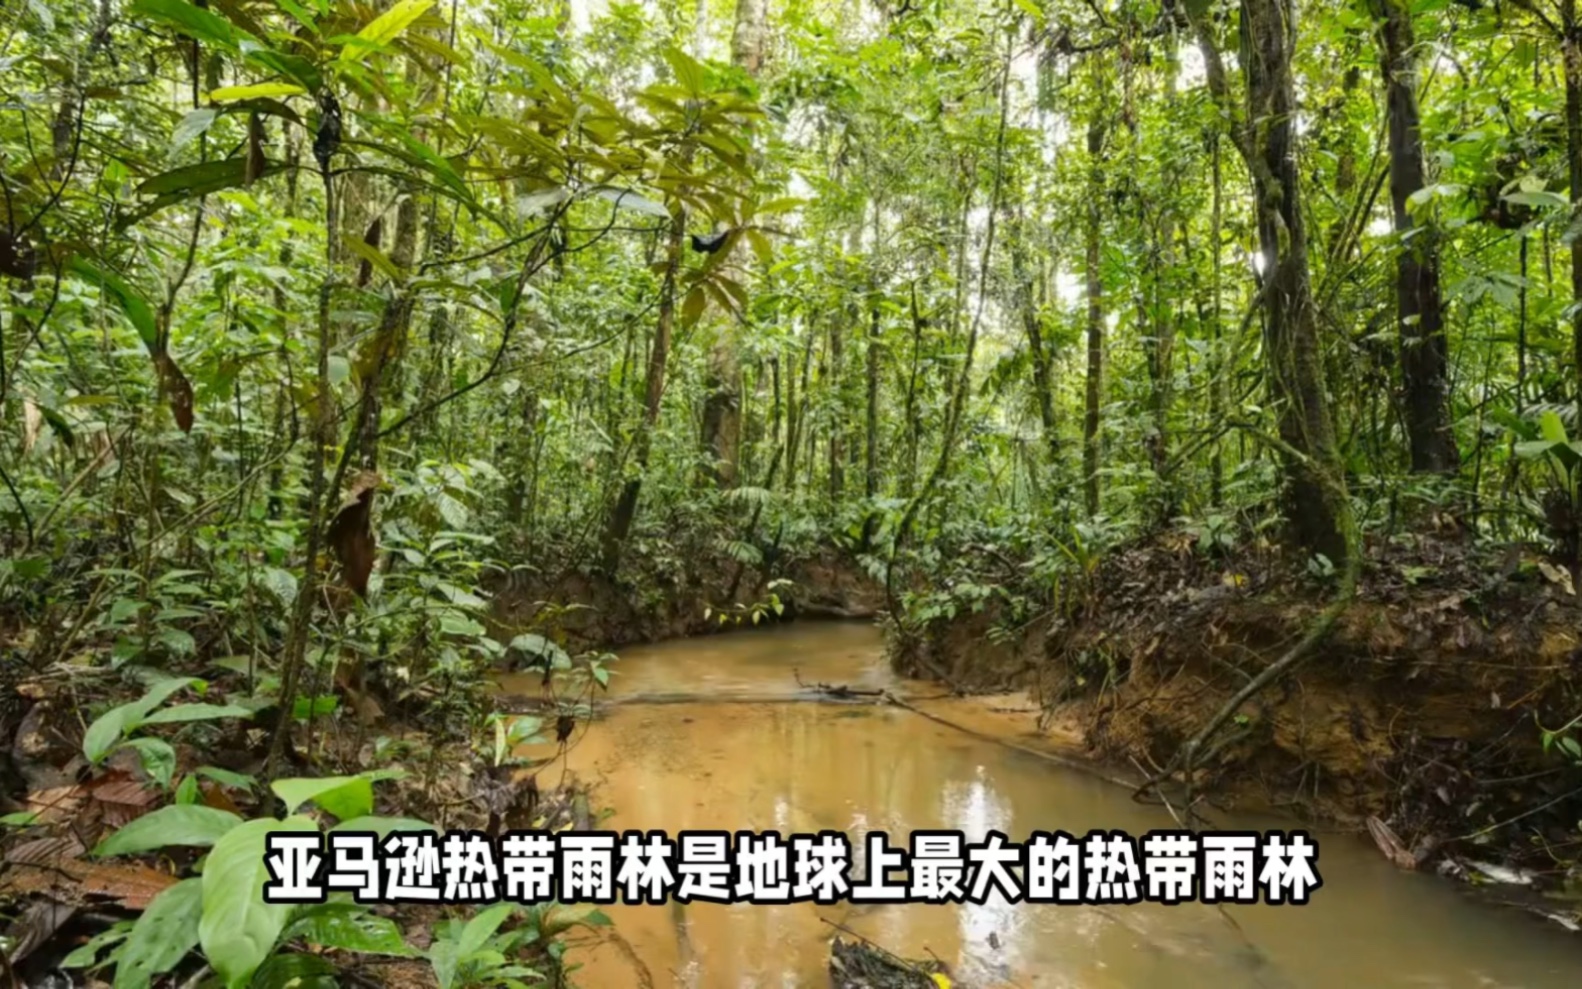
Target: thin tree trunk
{"points": [[1095, 293], [1571, 48], [1419, 311], [870, 484], [1033, 328], [625, 511]]}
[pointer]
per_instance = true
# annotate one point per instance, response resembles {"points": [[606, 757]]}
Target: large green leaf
{"points": [[108, 728], [192, 21], [196, 712], [296, 972], [177, 824], [387, 26], [197, 180], [162, 936], [134, 305], [346, 797], [239, 929], [258, 91], [349, 927], [291, 66]]}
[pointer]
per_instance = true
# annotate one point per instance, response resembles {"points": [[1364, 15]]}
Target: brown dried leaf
{"points": [[51, 852], [56, 804], [351, 533], [133, 886], [36, 925], [176, 388], [215, 796], [123, 800]]}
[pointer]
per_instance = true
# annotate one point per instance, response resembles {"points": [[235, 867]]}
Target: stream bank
{"points": [[1421, 719], [699, 592], [722, 733]]}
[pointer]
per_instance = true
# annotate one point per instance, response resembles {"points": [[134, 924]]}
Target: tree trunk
{"points": [[1095, 290], [1571, 48], [722, 413], [837, 428], [747, 41], [870, 484], [1033, 328], [1419, 312], [625, 510], [1160, 347], [1314, 486]]}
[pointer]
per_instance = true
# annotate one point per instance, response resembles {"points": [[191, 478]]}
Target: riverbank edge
{"points": [[1432, 681], [1420, 722]]}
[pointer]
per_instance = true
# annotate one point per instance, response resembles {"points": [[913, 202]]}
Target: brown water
{"points": [[759, 762]]}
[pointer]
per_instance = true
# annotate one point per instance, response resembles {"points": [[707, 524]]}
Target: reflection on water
{"points": [[803, 767]]}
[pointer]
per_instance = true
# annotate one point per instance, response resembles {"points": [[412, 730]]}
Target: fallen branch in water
{"points": [[1069, 763], [863, 963], [839, 690]]}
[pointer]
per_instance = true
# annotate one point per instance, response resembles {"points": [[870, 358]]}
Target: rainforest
{"points": [[838, 417]]}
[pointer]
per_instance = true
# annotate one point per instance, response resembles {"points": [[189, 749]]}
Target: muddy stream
{"points": [[748, 755]]}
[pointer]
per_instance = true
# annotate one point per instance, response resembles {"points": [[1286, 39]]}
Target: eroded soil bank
{"points": [[699, 593], [1425, 710]]}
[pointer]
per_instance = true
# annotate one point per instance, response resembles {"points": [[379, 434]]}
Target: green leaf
{"points": [[1552, 428], [263, 90], [347, 797], [197, 180], [134, 305], [296, 972], [1541, 198], [688, 72], [196, 712], [239, 781], [157, 757], [281, 583], [448, 954], [88, 954], [372, 255], [349, 927], [178, 824], [238, 929], [442, 954], [387, 26], [382, 826], [162, 936], [192, 21], [535, 646], [631, 200], [1533, 449], [482, 927], [194, 123], [293, 67], [108, 728]]}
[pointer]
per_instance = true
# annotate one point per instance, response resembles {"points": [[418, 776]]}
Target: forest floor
{"points": [[69, 892], [1422, 719]]}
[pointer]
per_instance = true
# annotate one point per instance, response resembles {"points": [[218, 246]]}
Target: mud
{"points": [[1421, 711]]}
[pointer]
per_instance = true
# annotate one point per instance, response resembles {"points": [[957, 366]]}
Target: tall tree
{"points": [[1317, 504], [1095, 296], [1419, 311]]}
